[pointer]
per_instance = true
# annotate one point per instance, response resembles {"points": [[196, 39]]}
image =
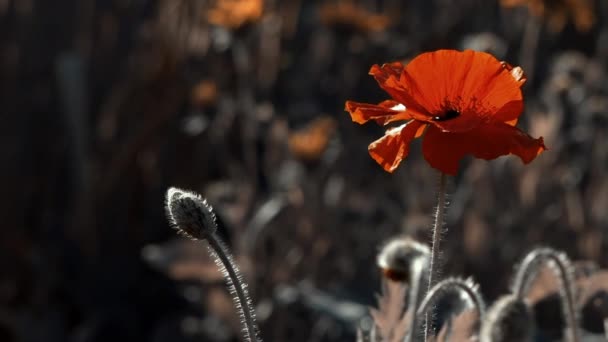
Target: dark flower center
{"points": [[448, 115]]}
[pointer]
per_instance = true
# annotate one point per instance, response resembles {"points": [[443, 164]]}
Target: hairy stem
{"points": [[563, 271], [466, 287], [419, 276], [236, 286], [434, 264], [193, 217]]}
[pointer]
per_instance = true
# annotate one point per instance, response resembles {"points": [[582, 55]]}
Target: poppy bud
{"points": [[189, 214], [193, 217], [509, 319], [399, 255], [405, 260]]}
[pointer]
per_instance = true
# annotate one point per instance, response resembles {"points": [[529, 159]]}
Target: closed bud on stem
{"points": [[193, 217], [403, 259], [190, 214], [400, 255], [509, 319]]}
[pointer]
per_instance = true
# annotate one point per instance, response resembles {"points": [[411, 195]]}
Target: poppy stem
{"points": [[236, 286], [434, 264]]}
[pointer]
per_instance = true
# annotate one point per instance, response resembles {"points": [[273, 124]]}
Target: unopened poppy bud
{"points": [[189, 214], [509, 319], [399, 255], [193, 217]]}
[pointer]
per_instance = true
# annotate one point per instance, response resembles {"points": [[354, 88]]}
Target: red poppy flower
{"points": [[462, 102]]}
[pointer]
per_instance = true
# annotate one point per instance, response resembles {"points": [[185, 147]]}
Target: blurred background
{"points": [[107, 103]]}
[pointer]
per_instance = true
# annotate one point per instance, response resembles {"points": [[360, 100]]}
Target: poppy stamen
{"points": [[448, 115]]}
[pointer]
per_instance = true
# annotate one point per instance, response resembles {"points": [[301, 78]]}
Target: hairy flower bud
{"points": [[189, 214], [398, 256]]}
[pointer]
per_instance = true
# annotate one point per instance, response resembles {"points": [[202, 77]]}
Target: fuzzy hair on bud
{"points": [[399, 255], [190, 214], [509, 319]]}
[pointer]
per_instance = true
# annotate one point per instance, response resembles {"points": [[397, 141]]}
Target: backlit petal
{"points": [[444, 150], [383, 113], [389, 78], [475, 84], [394, 146], [509, 113]]}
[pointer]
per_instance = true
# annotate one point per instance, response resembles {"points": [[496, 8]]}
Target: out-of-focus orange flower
{"points": [[557, 12], [348, 14], [310, 142], [462, 102], [235, 13], [204, 93]]}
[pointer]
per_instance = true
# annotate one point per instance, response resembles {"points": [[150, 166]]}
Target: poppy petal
{"points": [[475, 84], [389, 77], [383, 113], [444, 150], [509, 113], [394, 146]]}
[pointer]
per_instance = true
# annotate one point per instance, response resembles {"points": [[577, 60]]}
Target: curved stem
{"points": [[437, 231], [419, 275], [453, 285], [236, 286], [563, 271]]}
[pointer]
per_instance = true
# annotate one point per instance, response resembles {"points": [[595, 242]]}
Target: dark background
{"points": [[105, 104]]}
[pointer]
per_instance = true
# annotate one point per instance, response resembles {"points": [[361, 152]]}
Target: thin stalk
{"points": [[360, 336], [434, 264], [419, 275], [236, 285], [563, 272], [373, 334]]}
